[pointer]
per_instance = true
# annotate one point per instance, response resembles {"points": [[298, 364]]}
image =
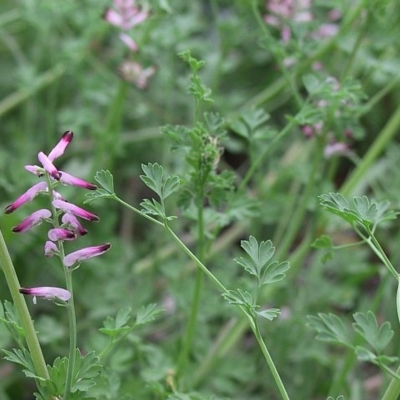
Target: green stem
{"points": [[268, 359], [393, 390], [72, 334], [191, 326], [22, 310]]}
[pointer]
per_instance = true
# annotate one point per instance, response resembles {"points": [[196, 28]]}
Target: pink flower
{"points": [[74, 210], [60, 147], [84, 254], [125, 15], [72, 222], [46, 292], [48, 165], [60, 234], [68, 179], [50, 248], [133, 72], [130, 43], [336, 148], [34, 219], [29, 195], [35, 170]]}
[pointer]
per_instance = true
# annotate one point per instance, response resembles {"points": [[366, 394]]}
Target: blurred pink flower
{"points": [[129, 42], [125, 14], [48, 165], [73, 223], [133, 72], [336, 148], [50, 248], [68, 179], [60, 147]]}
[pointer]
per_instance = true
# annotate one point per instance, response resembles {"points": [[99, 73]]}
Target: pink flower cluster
{"points": [[69, 228], [125, 15], [283, 13]]}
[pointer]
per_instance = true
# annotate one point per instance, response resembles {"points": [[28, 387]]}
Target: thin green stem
{"points": [[270, 362], [193, 316], [22, 310], [72, 334], [393, 390]]}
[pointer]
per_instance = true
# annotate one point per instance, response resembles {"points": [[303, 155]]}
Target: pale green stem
{"points": [[22, 310], [393, 390], [270, 362]]}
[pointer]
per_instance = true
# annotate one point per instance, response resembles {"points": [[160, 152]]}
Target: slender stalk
{"points": [[22, 310], [72, 334], [393, 390], [194, 312], [268, 359]]}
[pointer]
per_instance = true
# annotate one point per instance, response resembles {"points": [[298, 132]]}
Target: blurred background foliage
{"points": [[59, 70]]}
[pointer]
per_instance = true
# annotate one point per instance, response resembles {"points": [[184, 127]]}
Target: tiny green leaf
{"points": [[105, 180], [148, 313], [274, 272], [323, 242], [269, 314]]}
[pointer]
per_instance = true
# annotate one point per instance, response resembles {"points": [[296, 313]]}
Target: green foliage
{"points": [[363, 213], [258, 264]]}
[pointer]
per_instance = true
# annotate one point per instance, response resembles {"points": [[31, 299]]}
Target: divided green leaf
{"points": [[105, 180], [366, 325], [330, 328], [148, 313]]}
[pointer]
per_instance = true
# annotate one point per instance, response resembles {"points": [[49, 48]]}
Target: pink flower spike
{"points": [[60, 234], [28, 196], [46, 292], [35, 170], [72, 222], [86, 253], [34, 219], [68, 179], [60, 147], [74, 210], [113, 18], [50, 248], [48, 165]]}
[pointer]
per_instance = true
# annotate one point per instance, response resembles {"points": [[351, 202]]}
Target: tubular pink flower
{"points": [[60, 147], [50, 248], [60, 234], [72, 222], [34, 219], [85, 254], [29, 195], [48, 166], [46, 292], [68, 179], [35, 170], [74, 210]]}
